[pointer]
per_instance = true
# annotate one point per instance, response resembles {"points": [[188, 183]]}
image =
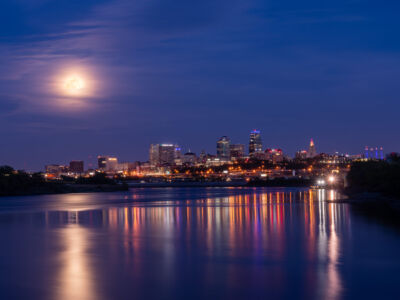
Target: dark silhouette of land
{"points": [[13, 182]]}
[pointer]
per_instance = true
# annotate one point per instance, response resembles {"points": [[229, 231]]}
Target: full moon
{"points": [[74, 85]]}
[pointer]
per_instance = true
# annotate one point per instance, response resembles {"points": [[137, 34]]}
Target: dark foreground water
{"points": [[203, 243]]}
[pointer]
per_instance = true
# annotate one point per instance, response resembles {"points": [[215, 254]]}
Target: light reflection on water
{"points": [[269, 243]]}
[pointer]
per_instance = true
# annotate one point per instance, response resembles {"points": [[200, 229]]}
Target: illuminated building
{"points": [[223, 148], [311, 151], [301, 154], [178, 160], [255, 143], [56, 169], [101, 162], [163, 154], [236, 151], [202, 157], [112, 164], [127, 166], [154, 155], [107, 163], [274, 155], [76, 166], [374, 153], [214, 161], [189, 158]]}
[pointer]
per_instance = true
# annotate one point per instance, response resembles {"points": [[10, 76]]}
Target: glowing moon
{"points": [[74, 85]]}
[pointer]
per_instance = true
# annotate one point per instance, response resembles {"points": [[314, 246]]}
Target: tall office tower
{"points": [[223, 149], [162, 154], [255, 143], [76, 166], [154, 155], [178, 152], [167, 154], [237, 151], [366, 152], [381, 152], [311, 151], [102, 161]]}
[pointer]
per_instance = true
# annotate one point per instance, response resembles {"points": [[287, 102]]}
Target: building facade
{"points": [[312, 152], [76, 166], [163, 154], [255, 143], [237, 151], [223, 148], [274, 155]]}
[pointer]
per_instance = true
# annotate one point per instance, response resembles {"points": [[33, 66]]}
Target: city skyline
{"points": [[80, 79], [91, 159], [170, 155]]}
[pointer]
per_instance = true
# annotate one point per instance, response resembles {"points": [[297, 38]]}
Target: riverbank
{"points": [[373, 205]]}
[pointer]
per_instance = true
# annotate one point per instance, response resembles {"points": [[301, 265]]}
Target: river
{"points": [[195, 243]]}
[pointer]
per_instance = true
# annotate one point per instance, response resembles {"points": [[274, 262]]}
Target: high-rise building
{"points": [[274, 155], [76, 166], [236, 151], [223, 149], [255, 143], [154, 155], [163, 154], [311, 150], [101, 162]]}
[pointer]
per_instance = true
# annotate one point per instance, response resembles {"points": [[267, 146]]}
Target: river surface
{"points": [[195, 243]]}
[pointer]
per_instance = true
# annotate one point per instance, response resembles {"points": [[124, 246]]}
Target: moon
{"points": [[74, 85]]}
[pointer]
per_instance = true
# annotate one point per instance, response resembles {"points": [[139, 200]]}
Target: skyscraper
{"points": [[311, 151], [255, 143], [154, 154], [163, 154], [237, 151], [223, 149]]}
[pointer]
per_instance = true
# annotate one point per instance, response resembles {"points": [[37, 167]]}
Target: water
{"points": [[202, 243]]}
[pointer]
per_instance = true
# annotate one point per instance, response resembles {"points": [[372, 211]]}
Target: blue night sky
{"points": [[189, 72]]}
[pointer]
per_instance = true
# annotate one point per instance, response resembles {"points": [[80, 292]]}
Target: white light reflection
{"points": [[330, 283], [75, 279]]}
